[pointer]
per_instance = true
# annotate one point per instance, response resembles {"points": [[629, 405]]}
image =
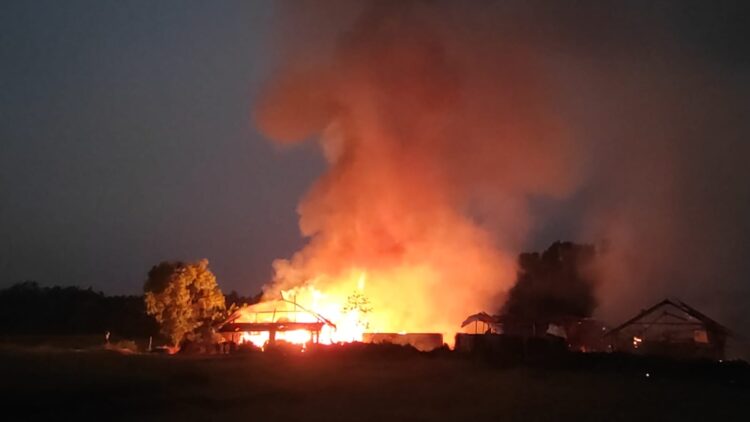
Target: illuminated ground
{"points": [[343, 386]]}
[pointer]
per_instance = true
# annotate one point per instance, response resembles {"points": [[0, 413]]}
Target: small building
{"points": [[575, 333], [671, 328], [266, 323]]}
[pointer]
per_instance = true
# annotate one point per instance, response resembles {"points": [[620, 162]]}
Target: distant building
{"points": [[575, 333], [671, 328]]}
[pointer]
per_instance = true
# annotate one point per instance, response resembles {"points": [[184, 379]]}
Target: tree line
{"points": [[182, 300], [29, 309]]}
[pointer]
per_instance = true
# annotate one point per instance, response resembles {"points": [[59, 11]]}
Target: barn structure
{"points": [[575, 333], [671, 328], [266, 322]]}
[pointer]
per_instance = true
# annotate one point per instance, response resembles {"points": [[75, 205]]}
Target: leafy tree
{"points": [[183, 298]]}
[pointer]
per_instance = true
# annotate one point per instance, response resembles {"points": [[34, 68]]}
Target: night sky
{"points": [[127, 138]]}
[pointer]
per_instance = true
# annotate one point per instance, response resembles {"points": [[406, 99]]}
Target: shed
{"points": [[671, 328], [266, 322]]}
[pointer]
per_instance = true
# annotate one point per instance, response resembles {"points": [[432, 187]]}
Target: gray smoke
{"points": [[629, 119]]}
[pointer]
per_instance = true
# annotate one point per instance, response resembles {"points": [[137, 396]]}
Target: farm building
{"points": [[671, 328], [577, 334], [282, 322], [266, 322]]}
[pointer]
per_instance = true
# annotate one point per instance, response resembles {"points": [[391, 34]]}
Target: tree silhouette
{"points": [[556, 283], [29, 309], [359, 304]]}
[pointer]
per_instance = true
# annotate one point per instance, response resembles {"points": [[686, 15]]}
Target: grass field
{"points": [[341, 385]]}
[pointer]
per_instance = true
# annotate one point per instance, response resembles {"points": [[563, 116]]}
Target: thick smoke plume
{"points": [[455, 130]]}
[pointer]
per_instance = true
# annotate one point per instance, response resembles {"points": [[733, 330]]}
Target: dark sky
{"points": [[126, 138]]}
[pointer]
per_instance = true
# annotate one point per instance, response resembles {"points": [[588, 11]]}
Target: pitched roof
{"points": [[272, 312], [480, 317], [682, 306]]}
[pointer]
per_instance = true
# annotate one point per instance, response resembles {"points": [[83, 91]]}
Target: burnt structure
{"points": [[574, 333], [671, 328], [272, 318], [233, 330]]}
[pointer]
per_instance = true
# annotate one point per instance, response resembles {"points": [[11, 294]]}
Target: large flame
{"points": [[348, 306], [434, 142]]}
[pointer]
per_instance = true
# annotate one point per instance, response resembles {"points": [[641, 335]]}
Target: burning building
{"points": [[442, 124], [671, 328], [430, 163], [265, 323], [330, 319]]}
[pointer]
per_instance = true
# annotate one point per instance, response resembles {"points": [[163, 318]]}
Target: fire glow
{"points": [[330, 317], [430, 162]]}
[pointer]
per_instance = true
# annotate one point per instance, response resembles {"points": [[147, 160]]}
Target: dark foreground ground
{"points": [[355, 384]]}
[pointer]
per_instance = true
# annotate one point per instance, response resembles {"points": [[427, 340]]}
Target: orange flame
{"points": [[344, 317]]}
